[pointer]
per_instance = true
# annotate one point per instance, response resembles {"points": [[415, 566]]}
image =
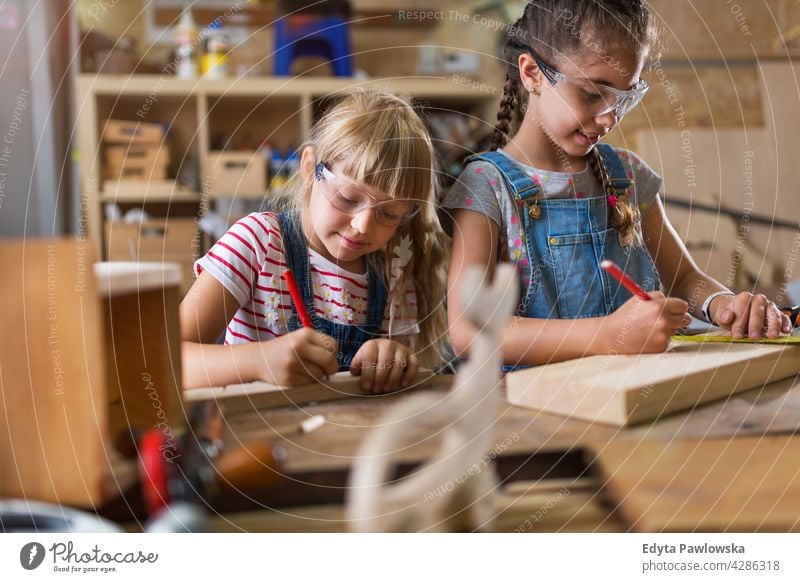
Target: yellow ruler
{"points": [[725, 336]]}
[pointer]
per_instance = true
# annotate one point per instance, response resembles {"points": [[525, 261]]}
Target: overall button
{"points": [[553, 240]]}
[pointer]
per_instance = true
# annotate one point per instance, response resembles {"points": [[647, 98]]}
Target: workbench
{"points": [[566, 494]]}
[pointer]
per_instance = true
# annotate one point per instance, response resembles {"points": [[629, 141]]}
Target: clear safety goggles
{"points": [[344, 195], [591, 97]]}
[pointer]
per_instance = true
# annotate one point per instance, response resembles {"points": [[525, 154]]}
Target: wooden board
{"points": [[142, 346], [262, 395], [732, 168], [536, 512], [622, 390], [743, 484], [52, 382], [781, 111]]}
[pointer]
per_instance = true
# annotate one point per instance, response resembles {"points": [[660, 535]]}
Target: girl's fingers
{"points": [[397, 369], [319, 357], [322, 340], [758, 315], [305, 371], [368, 358], [741, 314], [410, 371], [774, 324], [674, 306], [383, 366], [786, 323]]}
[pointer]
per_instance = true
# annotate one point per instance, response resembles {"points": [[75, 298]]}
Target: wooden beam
{"points": [[262, 16], [262, 395], [623, 390]]}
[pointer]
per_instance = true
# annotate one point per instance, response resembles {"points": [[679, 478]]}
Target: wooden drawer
{"points": [[144, 162], [173, 240], [238, 173], [123, 131]]}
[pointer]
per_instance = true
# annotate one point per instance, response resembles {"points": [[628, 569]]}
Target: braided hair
{"points": [[623, 216]]}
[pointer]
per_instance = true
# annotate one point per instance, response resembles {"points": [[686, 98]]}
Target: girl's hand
{"points": [[384, 365], [750, 315], [644, 326], [299, 357]]}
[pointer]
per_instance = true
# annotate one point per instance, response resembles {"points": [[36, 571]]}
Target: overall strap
{"points": [[519, 183], [376, 301], [614, 167], [295, 250]]}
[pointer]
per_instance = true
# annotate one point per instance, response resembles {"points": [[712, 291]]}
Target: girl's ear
{"points": [[529, 73], [308, 162]]}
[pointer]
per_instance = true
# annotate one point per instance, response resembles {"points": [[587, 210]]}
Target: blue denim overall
{"points": [[566, 244], [349, 338]]}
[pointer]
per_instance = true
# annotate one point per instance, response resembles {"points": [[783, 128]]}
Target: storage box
{"points": [[139, 302], [123, 131], [237, 173], [172, 240], [137, 162], [95, 358]]}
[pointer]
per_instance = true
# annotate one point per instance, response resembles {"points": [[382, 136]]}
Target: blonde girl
{"points": [[365, 248], [556, 201]]}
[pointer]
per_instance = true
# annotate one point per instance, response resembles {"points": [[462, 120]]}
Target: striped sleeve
{"points": [[252, 246]]}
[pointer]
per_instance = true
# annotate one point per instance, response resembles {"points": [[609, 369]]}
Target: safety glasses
{"points": [[344, 195], [591, 97]]}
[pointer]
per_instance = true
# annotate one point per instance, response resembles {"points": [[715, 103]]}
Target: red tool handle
{"points": [[153, 471]]}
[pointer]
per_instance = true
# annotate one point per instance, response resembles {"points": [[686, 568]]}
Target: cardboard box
{"points": [[137, 162], [123, 131], [238, 173], [172, 240], [96, 356]]}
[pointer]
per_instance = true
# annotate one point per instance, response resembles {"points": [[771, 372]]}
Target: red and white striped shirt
{"points": [[249, 260]]}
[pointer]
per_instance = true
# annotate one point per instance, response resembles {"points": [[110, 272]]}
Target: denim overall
{"points": [[566, 244], [349, 338]]}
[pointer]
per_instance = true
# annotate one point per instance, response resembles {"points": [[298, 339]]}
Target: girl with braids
{"points": [[556, 202], [365, 247]]}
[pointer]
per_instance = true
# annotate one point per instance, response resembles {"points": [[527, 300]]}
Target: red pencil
{"points": [[305, 318], [629, 284]]}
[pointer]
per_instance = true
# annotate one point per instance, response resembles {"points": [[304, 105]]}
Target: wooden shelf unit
{"points": [[279, 108]]}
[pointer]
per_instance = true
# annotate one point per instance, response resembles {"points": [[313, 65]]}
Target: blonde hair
{"points": [[380, 141]]}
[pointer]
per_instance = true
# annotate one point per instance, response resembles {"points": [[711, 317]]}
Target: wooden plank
{"points": [[142, 340], [770, 411], [124, 278], [52, 383], [577, 512], [265, 16], [623, 390], [729, 167], [262, 395], [780, 87], [725, 31], [444, 86], [743, 484]]}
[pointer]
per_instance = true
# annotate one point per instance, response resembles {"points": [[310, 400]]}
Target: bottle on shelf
{"points": [[292, 163], [186, 46], [277, 170], [215, 52], [265, 150]]}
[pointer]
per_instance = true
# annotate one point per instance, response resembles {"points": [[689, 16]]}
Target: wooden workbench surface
{"points": [[769, 410], [550, 505]]}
